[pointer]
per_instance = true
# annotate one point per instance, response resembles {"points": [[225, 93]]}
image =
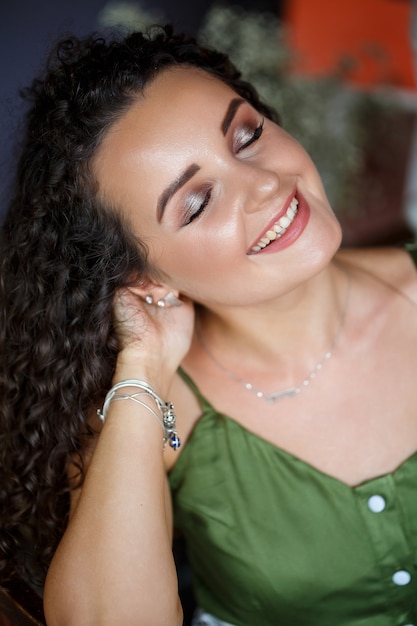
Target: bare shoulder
{"points": [[394, 266]]}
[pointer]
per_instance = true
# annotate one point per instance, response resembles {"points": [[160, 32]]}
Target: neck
{"points": [[288, 333]]}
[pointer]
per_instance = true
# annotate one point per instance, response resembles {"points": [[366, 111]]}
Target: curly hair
{"points": [[63, 256]]}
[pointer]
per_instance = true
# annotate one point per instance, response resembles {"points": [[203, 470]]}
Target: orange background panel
{"points": [[374, 34]]}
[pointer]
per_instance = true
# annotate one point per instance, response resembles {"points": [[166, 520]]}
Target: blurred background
{"points": [[342, 74]]}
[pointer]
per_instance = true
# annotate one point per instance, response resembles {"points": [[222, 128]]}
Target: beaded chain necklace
{"points": [[290, 391]]}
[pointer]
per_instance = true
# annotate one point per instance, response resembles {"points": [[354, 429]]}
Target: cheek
{"points": [[196, 264], [196, 259], [290, 155], [213, 239]]}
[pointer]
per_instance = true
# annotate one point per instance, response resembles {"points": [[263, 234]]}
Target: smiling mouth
{"points": [[279, 228]]}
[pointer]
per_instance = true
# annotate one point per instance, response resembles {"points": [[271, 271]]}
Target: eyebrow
{"points": [[193, 169], [230, 113], [174, 187]]}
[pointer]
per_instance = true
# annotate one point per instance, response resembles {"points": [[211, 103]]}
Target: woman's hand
{"points": [[154, 339]]}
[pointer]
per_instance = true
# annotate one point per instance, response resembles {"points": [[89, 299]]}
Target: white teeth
{"points": [[279, 228], [284, 221]]}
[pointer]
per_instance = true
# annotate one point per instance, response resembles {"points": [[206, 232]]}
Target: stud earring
{"points": [[172, 300], [168, 300]]}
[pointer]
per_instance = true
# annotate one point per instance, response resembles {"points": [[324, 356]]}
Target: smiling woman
{"points": [[170, 263], [225, 183]]}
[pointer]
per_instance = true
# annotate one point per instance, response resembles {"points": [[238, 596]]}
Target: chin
{"points": [[323, 242]]}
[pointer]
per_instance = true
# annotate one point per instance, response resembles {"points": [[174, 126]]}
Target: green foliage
{"points": [[128, 15], [326, 116], [322, 114]]}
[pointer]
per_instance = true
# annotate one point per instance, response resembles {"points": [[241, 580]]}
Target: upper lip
{"points": [[275, 219]]}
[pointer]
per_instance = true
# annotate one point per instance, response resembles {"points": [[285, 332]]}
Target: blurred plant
{"points": [[323, 114], [326, 116], [128, 15]]}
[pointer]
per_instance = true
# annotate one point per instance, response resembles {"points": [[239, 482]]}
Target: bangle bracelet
{"points": [[166, 409]]}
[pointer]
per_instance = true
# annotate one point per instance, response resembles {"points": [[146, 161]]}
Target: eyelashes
{"points": [[198, 205], [243, 137], [246, 136]]}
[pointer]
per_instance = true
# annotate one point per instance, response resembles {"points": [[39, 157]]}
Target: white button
{"points": [[402, 577], [376, 504]]}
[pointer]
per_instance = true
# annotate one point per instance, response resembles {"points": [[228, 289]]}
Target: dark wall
{"points": [[27, 30], [29, 27]]}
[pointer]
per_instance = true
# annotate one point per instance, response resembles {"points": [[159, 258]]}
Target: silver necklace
{"points": [[291, 391]]}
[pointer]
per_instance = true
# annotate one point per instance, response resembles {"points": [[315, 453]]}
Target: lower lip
{"points": [[294, 230]]}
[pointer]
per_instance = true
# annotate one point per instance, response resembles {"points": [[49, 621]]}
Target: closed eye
{"points": [[197, 205], [242, 139], [246, 136]]}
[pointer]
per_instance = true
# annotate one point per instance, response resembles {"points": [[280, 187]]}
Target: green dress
{"points": [[272, 541]]}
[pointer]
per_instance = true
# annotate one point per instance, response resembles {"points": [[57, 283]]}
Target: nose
{"points": [[261, 186]]}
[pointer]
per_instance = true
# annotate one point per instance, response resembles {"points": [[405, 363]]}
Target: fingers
{"points": [[140, 315], [154, 334]]}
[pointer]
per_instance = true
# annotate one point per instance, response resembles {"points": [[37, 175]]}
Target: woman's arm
{"points": [[114, 564]]}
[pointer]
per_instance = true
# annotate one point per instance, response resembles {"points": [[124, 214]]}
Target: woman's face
{"points": [[206, 182]]}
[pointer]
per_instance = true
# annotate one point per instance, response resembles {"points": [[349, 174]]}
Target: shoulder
{"points": [[393, 266]]}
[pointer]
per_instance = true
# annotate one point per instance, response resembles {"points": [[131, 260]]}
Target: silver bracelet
{"points": [[166, 409]]}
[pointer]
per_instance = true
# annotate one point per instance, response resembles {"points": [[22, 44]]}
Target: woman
{"points": [[153, 179]]}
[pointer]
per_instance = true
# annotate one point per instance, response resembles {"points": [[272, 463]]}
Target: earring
{"points": [[172, 300], [168, 300]]}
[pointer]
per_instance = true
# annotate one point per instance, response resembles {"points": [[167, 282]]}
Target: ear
{"points": [[157, 293]]}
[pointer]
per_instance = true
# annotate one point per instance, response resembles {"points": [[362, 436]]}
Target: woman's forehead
{"points": [[179, 103], [177, 98], [185, 90], [161, 134]]}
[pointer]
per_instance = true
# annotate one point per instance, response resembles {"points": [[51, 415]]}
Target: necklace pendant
{"points": [[273, 397], [291, 391]]}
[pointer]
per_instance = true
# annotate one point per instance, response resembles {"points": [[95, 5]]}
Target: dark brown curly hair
{"points": [[63, 255]]}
